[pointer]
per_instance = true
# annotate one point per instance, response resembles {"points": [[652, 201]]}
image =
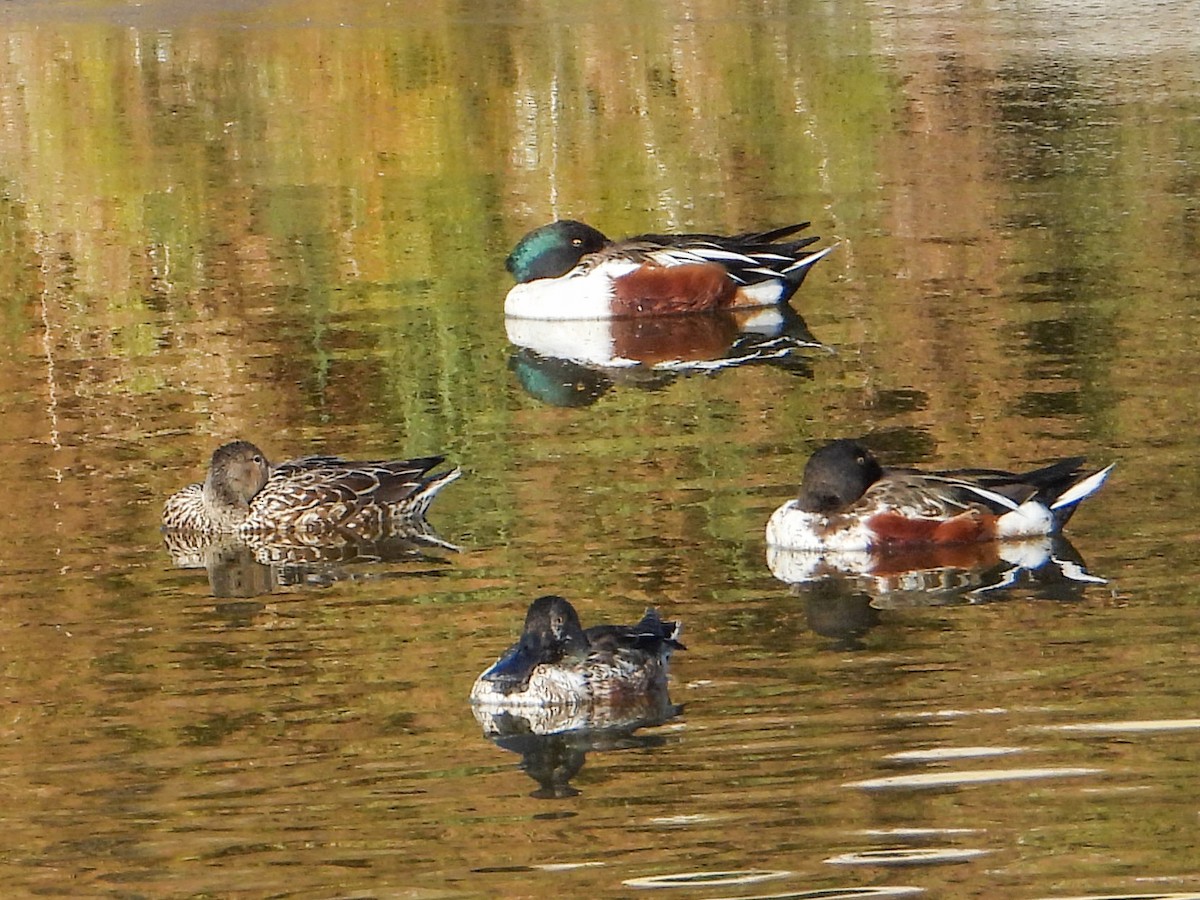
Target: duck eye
{"points": [[577, 242]]}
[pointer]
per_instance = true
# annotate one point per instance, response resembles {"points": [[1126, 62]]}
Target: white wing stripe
{"points": [[1085, 488], [716, 255], [810, 259], [983, 492]]}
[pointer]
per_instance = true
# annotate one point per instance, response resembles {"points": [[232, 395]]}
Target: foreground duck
{"points": [[849, 502], [569, 270], [557, 663], [244, 493]]}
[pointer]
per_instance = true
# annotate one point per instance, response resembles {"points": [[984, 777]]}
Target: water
{"points": [[287, 221]]}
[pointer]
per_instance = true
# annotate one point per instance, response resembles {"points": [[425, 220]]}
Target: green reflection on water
{"points": [[294, 232]]}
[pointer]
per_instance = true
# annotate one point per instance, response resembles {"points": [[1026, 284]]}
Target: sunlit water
{"points": [[287, 222]]}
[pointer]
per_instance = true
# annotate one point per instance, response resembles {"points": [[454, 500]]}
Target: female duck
{"points": [[243, 493], [557, 663], [849, 502], [569, 270]]}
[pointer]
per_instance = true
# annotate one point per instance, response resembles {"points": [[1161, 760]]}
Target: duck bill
{"points": [[512, 670]]}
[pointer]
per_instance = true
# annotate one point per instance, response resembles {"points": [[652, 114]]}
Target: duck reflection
{"points": [[1049, 568], [575, 362], [833, 609], [251, 565], [554, 743]]}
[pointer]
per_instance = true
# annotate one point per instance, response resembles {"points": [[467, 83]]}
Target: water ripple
{"points": [[911, 857], [862, 893], [938, 754], [1132, 725], [707, 879], [956, 779], [566, 867]]}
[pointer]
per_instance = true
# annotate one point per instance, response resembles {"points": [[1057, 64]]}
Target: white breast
{"points": [[548, 686], [792, 528], [584, 296]]}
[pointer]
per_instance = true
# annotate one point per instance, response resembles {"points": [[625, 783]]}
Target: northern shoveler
{"points": [[848, 502], [569, 270], [557, 663], [244, 493]]}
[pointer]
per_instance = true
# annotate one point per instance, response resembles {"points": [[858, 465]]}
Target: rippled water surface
{"points": [[287, 222]]}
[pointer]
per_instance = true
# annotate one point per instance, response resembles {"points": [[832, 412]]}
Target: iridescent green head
{"points": [[553, 250]]}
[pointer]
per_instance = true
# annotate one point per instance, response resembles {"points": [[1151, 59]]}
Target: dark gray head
{"points": [[553, 250], [837, 475], [552, 633], [236, 474]]}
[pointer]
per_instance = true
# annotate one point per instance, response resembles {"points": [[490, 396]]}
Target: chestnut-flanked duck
{"points": [[848, 502], [569, 270]]}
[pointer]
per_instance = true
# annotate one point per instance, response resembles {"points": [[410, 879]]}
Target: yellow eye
{"points": [[578, 242]]}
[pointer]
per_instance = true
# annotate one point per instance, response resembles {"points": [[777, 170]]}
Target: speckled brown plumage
{"points": [[244, 493]]}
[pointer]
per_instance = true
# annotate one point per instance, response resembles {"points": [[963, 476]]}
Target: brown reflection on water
{"points": [[293, 232]]}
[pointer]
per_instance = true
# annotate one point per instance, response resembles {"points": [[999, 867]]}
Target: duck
{"points": [[570, 270], [243, 493], [849, 502], [556, 663]]}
